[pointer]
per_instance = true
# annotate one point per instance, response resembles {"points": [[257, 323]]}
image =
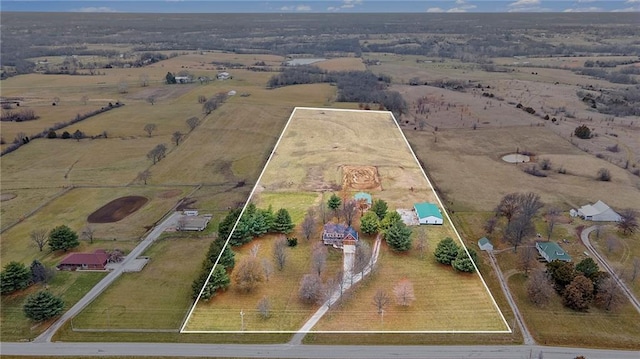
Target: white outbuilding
{"points": [[598, 212]]}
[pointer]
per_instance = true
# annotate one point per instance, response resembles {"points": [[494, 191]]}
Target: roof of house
{"points": [[98, 257], [594, 209], [340, 228], [483, 241], [427, 209], [553, 251], [363, 195]]}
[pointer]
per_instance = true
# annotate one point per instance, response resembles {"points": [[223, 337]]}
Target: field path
{"points": [[110, 278], [348, 282], [585, 240]]}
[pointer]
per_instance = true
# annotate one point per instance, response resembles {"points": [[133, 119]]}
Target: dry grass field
{"points": [[342, 64], [311, 156]]}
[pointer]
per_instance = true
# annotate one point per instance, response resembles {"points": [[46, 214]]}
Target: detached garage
{"points": [[428, 213]]}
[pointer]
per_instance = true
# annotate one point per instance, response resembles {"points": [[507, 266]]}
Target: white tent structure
{"points": [[598, 212]]}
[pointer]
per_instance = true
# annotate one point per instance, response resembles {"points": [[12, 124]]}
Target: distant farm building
{"points": [[598, 212], [428, 213], [193, 222], [336, 233], [485, 244], [85, 261], [183, 79], [551, 251], [224, 76]]}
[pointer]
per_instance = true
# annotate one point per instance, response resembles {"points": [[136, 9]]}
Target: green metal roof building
{"points": [[363, 196], [551, 251], [428, 213]]}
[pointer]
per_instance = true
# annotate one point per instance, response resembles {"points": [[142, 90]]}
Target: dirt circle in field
{"points": [[516, 158], [117, 209], [7, 196], [360, 177]]}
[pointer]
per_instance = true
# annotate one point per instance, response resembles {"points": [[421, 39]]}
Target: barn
{"points": [[598, 212], [428, 213], [84, 261]]}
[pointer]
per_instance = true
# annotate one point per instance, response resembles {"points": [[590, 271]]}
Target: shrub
{"points": [[292, 242], [603, 175], [42, 306], [583, 132]]}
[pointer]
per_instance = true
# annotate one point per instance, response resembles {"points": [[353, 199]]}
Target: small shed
{"points": [[485, 244], [428, 213], [84, 261], [551, 251]]}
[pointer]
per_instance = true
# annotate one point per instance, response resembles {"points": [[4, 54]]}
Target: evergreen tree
{"points": [[219, 281], [369, 223], [227, 259], [15, 276], [39, 273], [379, 207], [282, 222], [446, 251], [170, 78], [225, 227], [334, 203], [463, 263], [390, 219], [398, 237], [242, 233], [42, 306], [62, 237], [588, 268]]}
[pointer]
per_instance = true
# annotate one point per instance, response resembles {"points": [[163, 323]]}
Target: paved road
{"points": [[526, 335], [585, 240], [335, 296], [306, 351], [106, 281]]}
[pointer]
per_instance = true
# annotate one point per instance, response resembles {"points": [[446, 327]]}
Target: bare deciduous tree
{"points": [[149, 128], [308, 224], [403, 292], [248, 274], [144, 176], [84, 99], [539, 288], [349, 210], [123, 86], [490, 224], [527, 259], [152, 100], [516, 231], [87, 233], [157, 153], [508, 206], [264, 307], [628, 221], [144, 80], [552, 218], [609, 296], [177, 137], [280, 253], [267, 268], [254, 250], [319, 258], [192, 122], [362, 256], [310, 289], [40, 237], [381, 300]]}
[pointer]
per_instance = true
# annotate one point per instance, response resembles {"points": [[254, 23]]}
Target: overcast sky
{"points": [[311, 6]]}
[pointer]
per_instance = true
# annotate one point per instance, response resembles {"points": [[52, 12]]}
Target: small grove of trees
{"points": [[539, 288], [219, 279], [449, 253], [255, 222], [213, 103], [42, 306], [519, 210], [63, 238], [582, 132], [157, 153], [583, 284]]}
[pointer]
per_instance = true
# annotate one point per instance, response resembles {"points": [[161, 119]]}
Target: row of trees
{"points": [[449, 253]]}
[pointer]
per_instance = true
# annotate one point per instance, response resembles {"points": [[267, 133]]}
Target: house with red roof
{"points": [[85, 261]]}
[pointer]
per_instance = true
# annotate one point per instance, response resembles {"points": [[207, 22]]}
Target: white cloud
{"points": [[525, 3], [462, 8], [461, 2], [94, 9], [585, 1], [632, 2], [300, 8], [584, 9], [635, 8], [435, 9]]}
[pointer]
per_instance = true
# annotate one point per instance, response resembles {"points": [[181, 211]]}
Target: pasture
{"points": [[317, 146]]}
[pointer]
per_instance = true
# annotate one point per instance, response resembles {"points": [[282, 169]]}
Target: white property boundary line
{"points": [[184, 324]]}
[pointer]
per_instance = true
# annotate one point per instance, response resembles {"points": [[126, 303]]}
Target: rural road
{"points": [[526, 335], [106, 281], [307, 351], [348, 282], [584, 236]]}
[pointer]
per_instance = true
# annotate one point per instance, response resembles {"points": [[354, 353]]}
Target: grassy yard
{"points": [[158, 297], [620, 251]]}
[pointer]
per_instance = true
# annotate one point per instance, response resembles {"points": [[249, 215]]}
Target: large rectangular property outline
{"points": [[459, 238]]}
